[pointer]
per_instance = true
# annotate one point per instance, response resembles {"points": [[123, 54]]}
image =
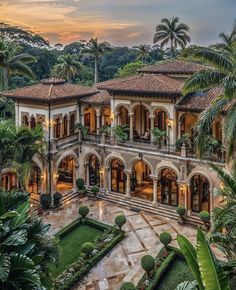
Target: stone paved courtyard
{"points": [[123, 262]]}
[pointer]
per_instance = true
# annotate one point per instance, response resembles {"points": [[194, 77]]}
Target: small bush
{"points": [[181, 210], [204, 216], [45, 200], [120, 220], [128, 286], [83, 211], [147, 263], [57, 197], [87, 249], [165, 238], [95, 190], [80, 183]]}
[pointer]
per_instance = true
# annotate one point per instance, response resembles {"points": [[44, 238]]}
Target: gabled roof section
{"points": [[174, 67], [198, 102], [50, 90], [101, 97], [154, 84]]}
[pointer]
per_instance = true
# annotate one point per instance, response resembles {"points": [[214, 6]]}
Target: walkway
{"points": [[123, 262]]}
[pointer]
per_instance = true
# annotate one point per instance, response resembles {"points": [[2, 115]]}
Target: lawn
{"points": [[71, 245], [177, 272]]}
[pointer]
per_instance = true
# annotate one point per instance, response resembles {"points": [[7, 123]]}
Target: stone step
{"points": [[69, 196]]}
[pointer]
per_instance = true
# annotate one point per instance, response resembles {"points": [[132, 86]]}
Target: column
{"points": [[128, 179], [154, 191], [152, 127], [82, 119], [131, 127], [179, 130], [98, 115], [103, 120], [188, 194], [74, 187], [105, 179]]}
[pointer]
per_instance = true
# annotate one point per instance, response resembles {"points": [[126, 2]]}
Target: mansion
{"points": [[141, 170]]}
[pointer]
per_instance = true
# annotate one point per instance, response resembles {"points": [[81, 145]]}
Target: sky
{"points": [[121, 22]]}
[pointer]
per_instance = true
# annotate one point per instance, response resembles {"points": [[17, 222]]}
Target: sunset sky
{"points": [[122, 22]]}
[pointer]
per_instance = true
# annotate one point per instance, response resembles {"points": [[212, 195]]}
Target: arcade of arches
{"points": [[94, 120]]}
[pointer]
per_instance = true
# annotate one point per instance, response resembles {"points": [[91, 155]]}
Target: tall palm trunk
{"points": [[171, 47], [96, 70], [3, 79]]}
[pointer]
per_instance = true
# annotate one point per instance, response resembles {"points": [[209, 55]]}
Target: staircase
{"points": [[69, 196], [145, 205]]}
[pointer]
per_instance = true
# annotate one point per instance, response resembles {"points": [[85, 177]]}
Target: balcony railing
{"points": [[67, 140]]}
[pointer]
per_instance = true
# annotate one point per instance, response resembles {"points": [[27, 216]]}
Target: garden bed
{"points": [[74, 266]]}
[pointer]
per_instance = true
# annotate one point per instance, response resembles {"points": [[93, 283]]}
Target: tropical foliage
{"points": [[159, 136], [25, 248], [121, 132], [143, 51], [229, 39], [130, 69], [170, 30]]}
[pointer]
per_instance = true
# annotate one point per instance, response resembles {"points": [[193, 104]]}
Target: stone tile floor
{"points": [[123, 262]]}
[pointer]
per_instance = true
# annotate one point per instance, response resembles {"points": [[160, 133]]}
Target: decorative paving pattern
{"points": [[123, 262]]}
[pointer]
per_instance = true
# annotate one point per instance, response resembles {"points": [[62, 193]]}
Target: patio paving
{"points": [[123, 262]]}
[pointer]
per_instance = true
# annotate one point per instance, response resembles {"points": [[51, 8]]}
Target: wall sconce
{"points": [[42, 176], [56, 176], [170, 123], [112, 116], [182, 189], [101, 170]]}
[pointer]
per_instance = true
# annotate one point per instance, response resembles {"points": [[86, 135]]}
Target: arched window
{"points": [[169, 187], [94, 176], [57, 128], [32, 122], [65, 125], [200, 195], [117, 176], [72, 123], [25, 121]]}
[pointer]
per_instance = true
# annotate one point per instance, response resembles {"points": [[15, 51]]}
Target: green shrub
{"points": [[45, 200], [87, 249], [120, 220], [80, 183], [128, 286], [181, 210], [83, 211], [147, 263], [57, 197], [165, 238], [95, 190], [204, 216]]}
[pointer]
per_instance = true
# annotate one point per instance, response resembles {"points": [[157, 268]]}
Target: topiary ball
{"points": [[165, 238], [95, 189], [87, 248], [147, 263], [128, 286], [83, 211], [181, 210], [80, 183], [204, 216], [120, 220]]}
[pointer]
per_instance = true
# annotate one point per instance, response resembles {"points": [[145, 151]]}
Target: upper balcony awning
{"points": [[50, 90]]}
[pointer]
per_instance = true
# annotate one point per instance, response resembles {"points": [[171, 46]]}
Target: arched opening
{"points": [[8, 181], [66, 178], [25, 120], [117, 176], [90, 120], [168, 187], [93, 170], [106, 116], [141, 183], [122, 116], [32, 122], [160, 119], [141, 123], [200, 193], [40, 120], [57, 127], [72, 123], [187, 123], [65, 125], [35, 181]]}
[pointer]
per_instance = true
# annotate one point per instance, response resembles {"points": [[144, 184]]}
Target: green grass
{"points": [[71, 245], [177, 272]]}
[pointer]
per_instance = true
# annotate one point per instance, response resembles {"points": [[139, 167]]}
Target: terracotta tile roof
{"points": [[174, 67], [101, 97], [50, 89], [158, 84], [198, 102]]}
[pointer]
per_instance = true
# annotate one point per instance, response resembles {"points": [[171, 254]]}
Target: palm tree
{"points": [[96, 49], [7, 108], [170, 30], [221, 73], [143, 51], [208, 272], [13, 62], [67, 67], [228, 39]]}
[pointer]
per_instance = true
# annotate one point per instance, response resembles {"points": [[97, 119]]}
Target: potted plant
{"points": [[82, 128], [205, 218], [120, 220], [181, 211], [57, 197], [165, 239], [83, 211], [81, 185], [121, 132], [148, 263], [184, 139], [45, 201], [159, 136], [95, 190]]}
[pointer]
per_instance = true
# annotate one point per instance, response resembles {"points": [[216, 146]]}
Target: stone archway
{"points": [[168, 190], [93, 170], [117, 176]]}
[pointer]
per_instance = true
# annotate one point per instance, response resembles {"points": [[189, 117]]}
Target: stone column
{"points": [[188, 195], [98, 115], [152, 127], [82, 119], [179, 130], [74, 187], [105, 179], [131, 129], [128, 179], [155, 180]]}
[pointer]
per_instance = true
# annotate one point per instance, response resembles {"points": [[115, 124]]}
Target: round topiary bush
{"points": [[45, 201], [204, 216], [147, 263], [95, 190], [120, 220], [87, 249], [57, 197], [165, 238], [80, 183], [128, 286], [181, 210], [83, 211]]}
